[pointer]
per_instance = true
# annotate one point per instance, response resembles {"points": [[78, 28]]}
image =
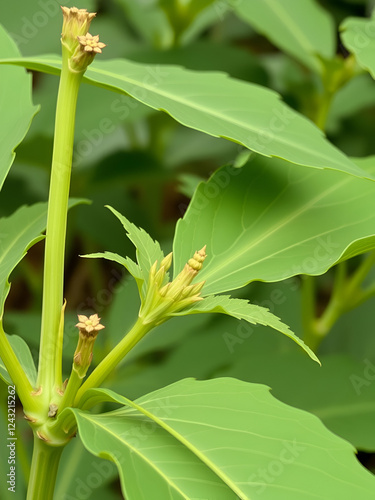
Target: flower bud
{"points": [[76, 23], [80, 47]]}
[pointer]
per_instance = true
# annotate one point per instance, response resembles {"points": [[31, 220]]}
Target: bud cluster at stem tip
{"points": [[161, 300], [80, 46], [88, 331]]}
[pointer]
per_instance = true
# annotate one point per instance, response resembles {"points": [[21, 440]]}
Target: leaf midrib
{"points": [[136, 451], [209, 111]]}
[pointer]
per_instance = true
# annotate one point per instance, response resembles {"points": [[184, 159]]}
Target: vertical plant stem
{"points": [[44, 465], [323, 109], [308, 311], [56, 223]]}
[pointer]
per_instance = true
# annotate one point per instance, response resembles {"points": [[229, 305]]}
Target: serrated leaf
{"points": [[18, 233], [24, 357], [217, 105], [242, 309], [236, 430], [302, 29], [271, 220], [358, 35], [147, 250], [17, 109], [127, 262]]}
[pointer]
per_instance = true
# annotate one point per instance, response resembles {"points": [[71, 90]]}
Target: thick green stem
{"points": [[16, 372], [112, 359], [44, 465], [308, 311], [347, 294], [323, 109], [56, 223]]}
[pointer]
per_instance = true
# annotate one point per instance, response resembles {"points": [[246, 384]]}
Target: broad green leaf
{"points": [[25, 358], [18, 233], [149, 459], [271, 220], [208, 56], [242, 309], [302, 29], [16, 105], [215, 104], [358, 35], [341, 392], [235, 429]]}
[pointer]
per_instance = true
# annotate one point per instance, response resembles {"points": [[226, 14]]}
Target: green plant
{"points": [[293, 205]]}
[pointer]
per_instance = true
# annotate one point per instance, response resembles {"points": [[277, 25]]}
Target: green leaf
{"points": [[18, 233], [217, 105], [242, 309], [271, 220], [128, 263], [25, 358], [358, 35], [302, 29], [341, 392], [16, 105], [255, 445], [147, 250]]}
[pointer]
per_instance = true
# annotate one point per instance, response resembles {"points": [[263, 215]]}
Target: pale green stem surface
{"points": [[56, 225], [70, 392], [347, 294], [16, 372], [112, 359], [323, 109], [44, 465]]}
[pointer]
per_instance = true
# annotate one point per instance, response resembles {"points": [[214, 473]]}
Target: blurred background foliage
{"points": [[147, 166]]}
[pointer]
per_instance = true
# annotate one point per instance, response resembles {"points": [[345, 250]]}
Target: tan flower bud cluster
{"points": [[91, 43], [161, 300], [89, 326], [76, 39], [88, 331]]}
